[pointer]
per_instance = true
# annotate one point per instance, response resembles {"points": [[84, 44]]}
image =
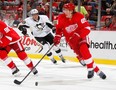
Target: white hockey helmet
{"points": [[34, 11]]}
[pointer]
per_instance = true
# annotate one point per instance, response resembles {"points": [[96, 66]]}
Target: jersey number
{"points": [[6, 29]]}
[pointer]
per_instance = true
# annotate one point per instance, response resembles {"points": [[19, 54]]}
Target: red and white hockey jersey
{"points": [[7, 35], [68, 27]]}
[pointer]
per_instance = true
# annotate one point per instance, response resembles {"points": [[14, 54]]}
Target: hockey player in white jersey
{"points": [[41, 28]]}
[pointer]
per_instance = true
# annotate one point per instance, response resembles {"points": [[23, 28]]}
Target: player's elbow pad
{"points": [[5, 41], [21, 27], [84, 32], [49, 25]]}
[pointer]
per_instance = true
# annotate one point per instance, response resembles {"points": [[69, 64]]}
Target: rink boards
{"points": [[102, 47]]}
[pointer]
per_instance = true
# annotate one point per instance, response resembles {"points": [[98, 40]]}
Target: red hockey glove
{"points": [[57, 39], [74, 40]]}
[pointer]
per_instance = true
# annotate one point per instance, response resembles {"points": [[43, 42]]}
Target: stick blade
{"points": [[17, 82]]}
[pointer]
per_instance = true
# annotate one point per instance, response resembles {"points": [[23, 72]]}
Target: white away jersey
{"points": [[38, 28]]}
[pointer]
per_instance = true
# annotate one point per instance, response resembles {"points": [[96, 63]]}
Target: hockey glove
{"points": [[54, 29], [57, 39], [24, 31], [74, 40]]}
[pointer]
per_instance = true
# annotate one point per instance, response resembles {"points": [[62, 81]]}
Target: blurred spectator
{"points": [[1, 4], [47, 8], [19, 14], [36, 3], [40, 8], [1, 18], [108, 12], [40, 1], [106, 6], [82, 9], [84, 3], [113, 24], [10, 20], [103, 2], [55, 4], [106, 24], [55, 7], [21, 4], [109, 3], [2, 14], [113, 8], [94, 5], [110, 24], [29, 9], [11, 2]]}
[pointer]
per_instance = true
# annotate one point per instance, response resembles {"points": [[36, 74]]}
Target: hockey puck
{"points": [[36, 83]]}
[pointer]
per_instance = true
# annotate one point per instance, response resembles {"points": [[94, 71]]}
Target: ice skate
{"points": [[53, 60], [90, 74], [16, 72], [102, 75], [62, 58]]}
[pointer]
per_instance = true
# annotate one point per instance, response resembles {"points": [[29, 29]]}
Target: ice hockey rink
{"points": [[63, 76]]}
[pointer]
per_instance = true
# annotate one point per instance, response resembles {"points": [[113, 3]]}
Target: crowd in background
{"points": [[12, 10]]}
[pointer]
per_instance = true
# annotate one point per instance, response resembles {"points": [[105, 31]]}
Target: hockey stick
{"points": [[19, 82]]}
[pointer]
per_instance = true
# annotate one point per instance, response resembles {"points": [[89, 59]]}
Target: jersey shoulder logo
{"points": [[83, 20]]}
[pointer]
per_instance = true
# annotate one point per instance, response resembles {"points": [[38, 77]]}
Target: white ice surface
{"points": [[68, 76]]}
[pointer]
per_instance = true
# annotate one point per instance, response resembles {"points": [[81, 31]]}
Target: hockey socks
{"points": [[29, 64], [9, 62], [99, 73], [51, 57], [58, 51], [62, 58]]}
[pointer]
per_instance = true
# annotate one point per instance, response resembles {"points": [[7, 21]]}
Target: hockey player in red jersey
{"points": [[9, 39], [74, 27]]}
